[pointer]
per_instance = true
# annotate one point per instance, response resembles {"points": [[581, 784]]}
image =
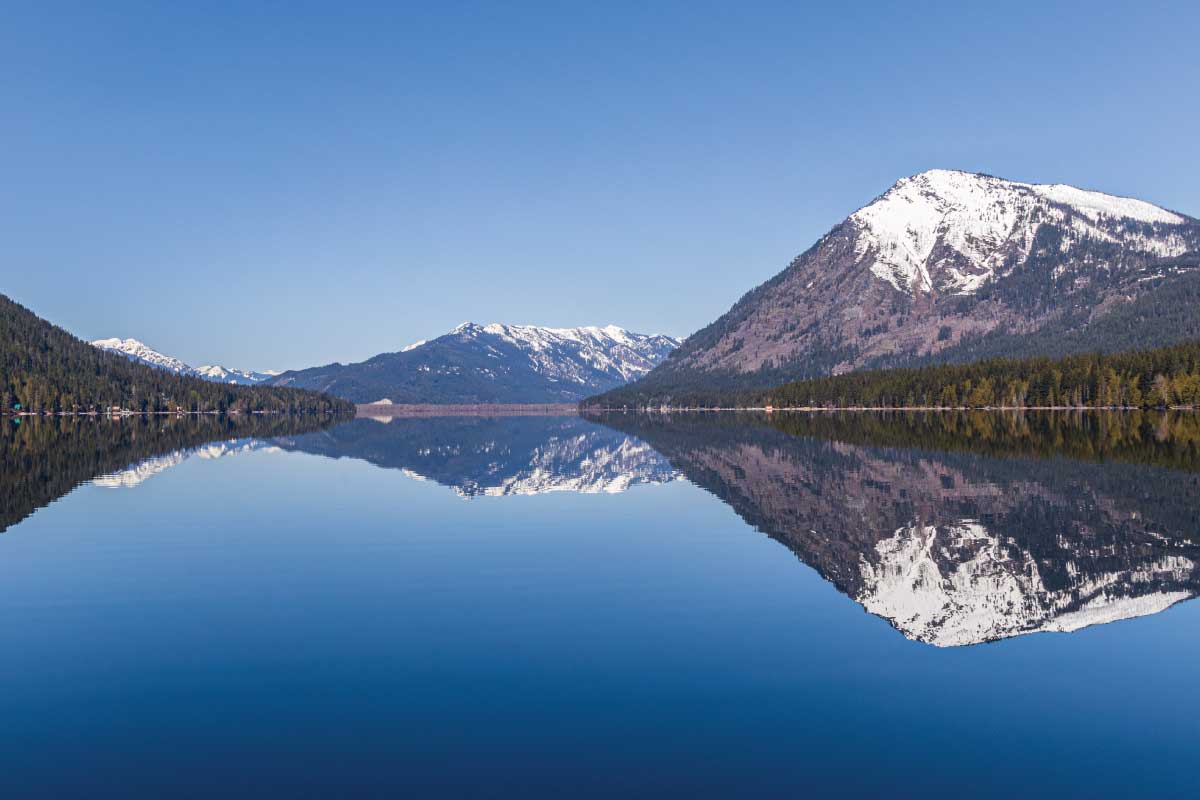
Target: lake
{"points": [[948, 605]]}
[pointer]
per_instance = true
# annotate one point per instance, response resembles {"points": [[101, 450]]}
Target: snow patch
{"points": [[951, 231]]}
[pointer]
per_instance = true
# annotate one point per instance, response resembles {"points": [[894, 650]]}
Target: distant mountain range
{"points": [[137, 351], [950, 267], [494, 364]]}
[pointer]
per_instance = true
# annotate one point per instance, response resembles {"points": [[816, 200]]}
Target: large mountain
{"points": [[494, 364], [953, 266], [137, 351]]}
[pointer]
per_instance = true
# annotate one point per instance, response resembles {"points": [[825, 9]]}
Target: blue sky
{"points": [[278, 185]]}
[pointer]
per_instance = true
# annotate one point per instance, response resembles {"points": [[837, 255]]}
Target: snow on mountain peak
{"points": [[220, 374], [140, 352], [952, 231], [1097, 204], [574, 354]]}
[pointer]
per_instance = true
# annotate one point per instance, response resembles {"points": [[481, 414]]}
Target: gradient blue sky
{"points": [[278, 185]]}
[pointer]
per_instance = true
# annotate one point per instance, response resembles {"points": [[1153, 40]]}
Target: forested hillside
{"points": [[1168, 376], [45, 369], [1156, 378]]}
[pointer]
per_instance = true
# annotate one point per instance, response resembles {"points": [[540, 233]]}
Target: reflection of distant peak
{"points": [[498, 456], [134, 475], [45, 458], [577, 465]]}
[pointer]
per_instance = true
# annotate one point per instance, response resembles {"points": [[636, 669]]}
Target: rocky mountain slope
{"points": [[494, 364], [141, 353], [951, 266]]}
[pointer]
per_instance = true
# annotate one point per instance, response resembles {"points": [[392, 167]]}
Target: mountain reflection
{"points": [[477, 456], [42, 459], [957, 528], [963, 528]]}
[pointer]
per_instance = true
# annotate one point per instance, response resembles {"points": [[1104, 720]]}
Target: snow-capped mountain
{"points": [[137, 351], [954, 266], [951, 232], [577, 355], [494, 364], [215, 372]]}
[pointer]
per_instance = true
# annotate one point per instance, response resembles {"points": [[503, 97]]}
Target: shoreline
{"points": [[873, 409], [118, 414], [411, 410]]}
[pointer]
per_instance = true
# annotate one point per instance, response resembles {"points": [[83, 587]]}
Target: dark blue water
{"points": [[560, 609]]}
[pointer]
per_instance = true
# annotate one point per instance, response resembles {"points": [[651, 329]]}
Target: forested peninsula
{"points": [[46, 370]]}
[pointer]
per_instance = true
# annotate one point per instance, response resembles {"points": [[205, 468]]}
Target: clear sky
{"points": [[279, 185]]}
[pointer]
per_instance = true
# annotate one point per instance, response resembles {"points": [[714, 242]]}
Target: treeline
{"points": [[1164, 313], [44, 369], [1161, 378], [1158, 438], [1168, 439]]}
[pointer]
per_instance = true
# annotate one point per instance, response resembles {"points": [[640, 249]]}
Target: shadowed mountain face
{"points": [[496, 455], [993, 535]]}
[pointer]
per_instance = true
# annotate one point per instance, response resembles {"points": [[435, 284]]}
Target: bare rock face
{"points": [[948, 266]]}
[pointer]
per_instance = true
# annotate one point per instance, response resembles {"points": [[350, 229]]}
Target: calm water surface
{"points": [[956, 605]]}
